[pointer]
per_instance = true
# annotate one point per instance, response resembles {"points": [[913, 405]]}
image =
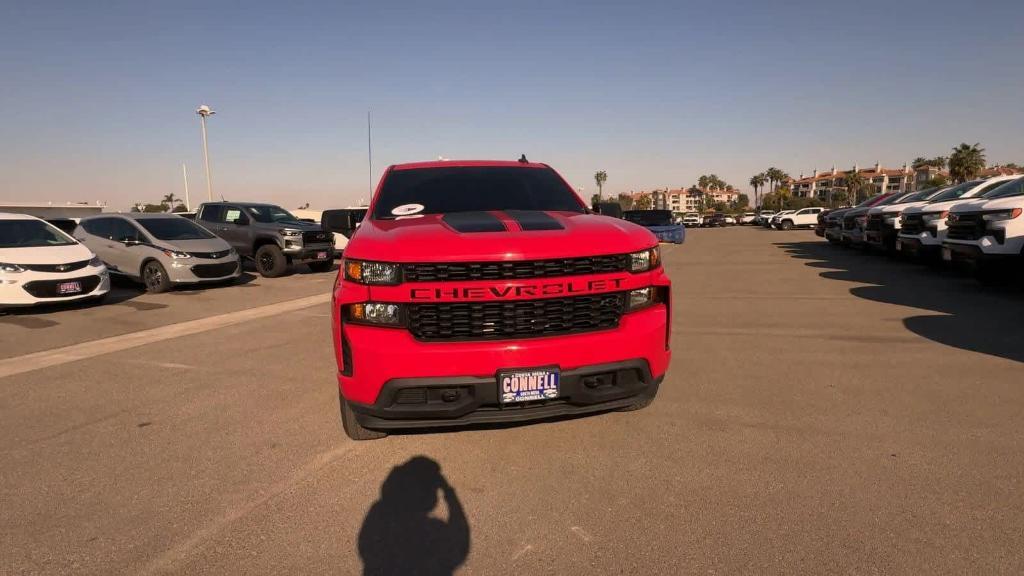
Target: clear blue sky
{"points": [[97, 99]]}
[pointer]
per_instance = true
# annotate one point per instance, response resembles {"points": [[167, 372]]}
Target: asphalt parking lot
{"points": [[827, 411]]}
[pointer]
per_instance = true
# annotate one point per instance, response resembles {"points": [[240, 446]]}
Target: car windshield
{"points": [[31, 234], [954, 192], [268, 213], [869, 202], [1010, 188], [472, 188], [173, 228], [649, 217], [921, 195]]}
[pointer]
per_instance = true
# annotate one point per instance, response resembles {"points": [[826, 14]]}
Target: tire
{"points": [[787, 225], [354, 429], [154, 277], [324, 266], [270, 261]]}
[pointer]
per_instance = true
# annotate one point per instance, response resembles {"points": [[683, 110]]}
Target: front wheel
{"points": [[270, 261], [154, 276], [787, 225], [352, 427]]}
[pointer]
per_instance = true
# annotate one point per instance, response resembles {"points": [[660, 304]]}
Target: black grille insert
{"points": [[210, 255], [515, 319], [913, 224], [967, 227], [57, 268], [516, 269], [316, 237], [214, 270]]}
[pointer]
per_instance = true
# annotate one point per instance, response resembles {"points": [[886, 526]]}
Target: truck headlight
{"points": [[999, 215], [932, 217], [375, 313], [644, 297], [645, 260], [10, 268], [372, 272], [287, 232]]}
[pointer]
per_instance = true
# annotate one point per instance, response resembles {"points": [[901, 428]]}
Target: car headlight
{"points": [[175, 254], [376, 313], [372, 272], [232, 252], [10, 268], [95, 261], [934, 216], [287, 232], [645, 260], [999, 215]]}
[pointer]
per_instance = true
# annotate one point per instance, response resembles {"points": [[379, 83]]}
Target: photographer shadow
{"points": [[400, 536]]}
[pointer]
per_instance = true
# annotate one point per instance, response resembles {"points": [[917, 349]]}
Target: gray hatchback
{"points": [[160, 250]]}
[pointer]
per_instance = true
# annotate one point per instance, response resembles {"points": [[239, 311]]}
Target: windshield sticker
{"points": [[407, 209]]}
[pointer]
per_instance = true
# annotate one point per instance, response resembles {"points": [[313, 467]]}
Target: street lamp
{"points": [[204, 111]]}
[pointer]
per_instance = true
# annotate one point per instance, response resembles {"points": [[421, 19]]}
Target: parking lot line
{"points": [[85, 350]]}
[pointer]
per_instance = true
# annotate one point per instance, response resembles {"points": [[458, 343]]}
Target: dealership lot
{"points": [[826, 411]]}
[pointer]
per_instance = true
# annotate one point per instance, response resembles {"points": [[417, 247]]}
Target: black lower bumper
{"points": [[914, 247], [974, 253], [458, 401]]}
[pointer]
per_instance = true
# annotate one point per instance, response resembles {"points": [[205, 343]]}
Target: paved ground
{"points": [[827, 411]]}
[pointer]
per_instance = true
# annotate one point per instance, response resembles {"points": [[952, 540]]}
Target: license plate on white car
{"points": [[69, 288], [321, 255], [527, 385]]}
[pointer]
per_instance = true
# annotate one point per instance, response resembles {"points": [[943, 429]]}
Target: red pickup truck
{"points": [[481, 292]]}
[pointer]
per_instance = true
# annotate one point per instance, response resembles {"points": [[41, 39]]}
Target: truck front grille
{"points": [[913, 224], [454, 271], [515, 319], [967, 227], [874, 223], [316, 237]]}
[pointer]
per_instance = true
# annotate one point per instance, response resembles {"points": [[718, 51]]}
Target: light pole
{"points": [[204, 111]]}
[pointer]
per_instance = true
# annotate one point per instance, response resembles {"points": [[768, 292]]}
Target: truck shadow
{"points": [[400, 535], [970, 316]]}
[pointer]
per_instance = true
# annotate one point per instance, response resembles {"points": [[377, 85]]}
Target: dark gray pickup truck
{"points": [[270, 235]]}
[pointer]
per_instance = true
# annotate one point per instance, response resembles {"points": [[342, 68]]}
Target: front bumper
{"points": [[199, 270], [310, 253], [979, 250], [13, 286], [885, 238], [475, 400]]}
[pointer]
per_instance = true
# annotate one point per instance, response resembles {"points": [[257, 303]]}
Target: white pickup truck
{"points": [[988, 232], [803, 218]]}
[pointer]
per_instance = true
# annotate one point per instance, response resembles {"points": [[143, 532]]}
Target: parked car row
{"points": [[977, 223], [41, 263], [790, 219]]}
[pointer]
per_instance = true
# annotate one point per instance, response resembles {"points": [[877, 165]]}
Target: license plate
{"points": [[947, 254], [69, 288], [321, 255], [527, 385]]}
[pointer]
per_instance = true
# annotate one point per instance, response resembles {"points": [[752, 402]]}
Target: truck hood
{"points": [[935, 206], [294, 224], [45, 254], [496, 236], [986, 204]]}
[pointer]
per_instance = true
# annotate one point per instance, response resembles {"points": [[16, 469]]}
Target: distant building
{"points": [[821, 185]]}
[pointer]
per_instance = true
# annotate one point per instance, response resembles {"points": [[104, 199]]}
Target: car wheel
{"points": [[325, 266], [270, 261], [353, 428], [787, 224], [154, 276]]}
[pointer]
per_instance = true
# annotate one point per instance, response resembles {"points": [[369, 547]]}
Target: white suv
{"points": [[989, 229], [803, 218], [775, 220], [923, 227], [691, 220]]}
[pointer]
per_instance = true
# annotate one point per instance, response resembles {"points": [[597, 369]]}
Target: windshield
{"points": [[472, 188], [1010, 188], [175, 228], [922, 195], [869, 202], [954, 192], [649, 217], [31, 234], [269, 213]]}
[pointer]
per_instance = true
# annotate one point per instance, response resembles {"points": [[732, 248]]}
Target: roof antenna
{"points": [[523, 159]]}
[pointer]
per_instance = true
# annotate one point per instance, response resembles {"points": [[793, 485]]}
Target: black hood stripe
{"points": [[474, 222], [534, 220]]}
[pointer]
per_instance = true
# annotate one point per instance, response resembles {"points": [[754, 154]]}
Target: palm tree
{"points": [[600, 177], [703, 182], [938, 162], [966, 162], [920, 162], [774, 176], [170, 200], [757, 181], [855, 184]]}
